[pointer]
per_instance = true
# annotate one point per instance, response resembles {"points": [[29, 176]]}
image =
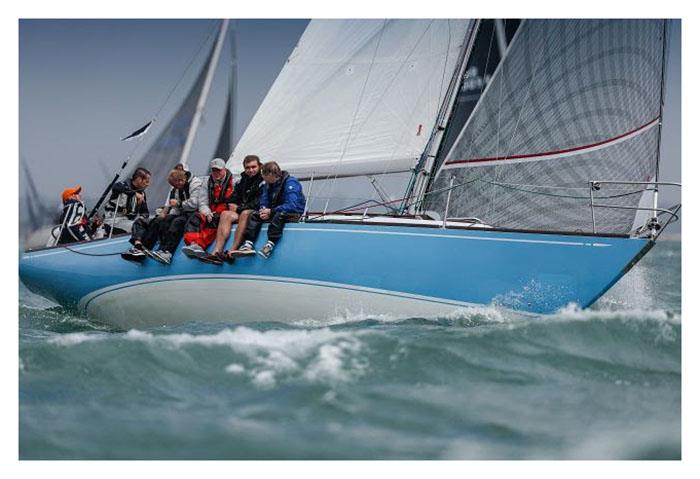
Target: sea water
{"points": [[483, 383]]}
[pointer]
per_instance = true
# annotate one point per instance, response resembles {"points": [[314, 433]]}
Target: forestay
{"points": [[355, 97], [573, 101]]}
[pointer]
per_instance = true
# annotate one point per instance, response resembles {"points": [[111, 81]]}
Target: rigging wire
{"points": [[363, 205], [357, 108]]}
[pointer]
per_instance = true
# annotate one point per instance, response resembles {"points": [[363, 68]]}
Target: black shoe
{"points": [[228, 257], [211, 259], [135, 255]]}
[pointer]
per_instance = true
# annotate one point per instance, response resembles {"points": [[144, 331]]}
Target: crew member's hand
{"points": [[97, 220], [173, 203], [265, 213], [139, 198], [210, 217]]}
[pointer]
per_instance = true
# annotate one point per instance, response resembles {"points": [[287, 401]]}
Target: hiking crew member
{"points": [[127, 210], [246, 198], [281, 201], [168, 227], [75, 225], [215, 203]]}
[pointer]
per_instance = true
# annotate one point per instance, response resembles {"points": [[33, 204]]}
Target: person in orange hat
{"points": [[75, 225]]}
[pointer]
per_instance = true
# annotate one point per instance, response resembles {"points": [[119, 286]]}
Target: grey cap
{"points": [[217, 163]]}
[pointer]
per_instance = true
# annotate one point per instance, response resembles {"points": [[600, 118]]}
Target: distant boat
{"points": [[533, 149]]}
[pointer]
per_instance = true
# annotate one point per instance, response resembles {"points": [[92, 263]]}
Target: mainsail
{"points": [[166, 150], [573, 101], [356, 97]]}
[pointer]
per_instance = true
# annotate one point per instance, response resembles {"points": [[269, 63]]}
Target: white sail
{"points": [[355, 97]]}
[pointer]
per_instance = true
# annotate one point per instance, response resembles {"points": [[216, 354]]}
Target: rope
{"points": [[91, 254]]}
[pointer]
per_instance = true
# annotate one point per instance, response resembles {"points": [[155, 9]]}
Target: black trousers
{"points": [[274, 231], [171, 230], [144, 231]]}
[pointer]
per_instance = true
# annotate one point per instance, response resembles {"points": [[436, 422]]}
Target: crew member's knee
{"points": [[229, 216]]}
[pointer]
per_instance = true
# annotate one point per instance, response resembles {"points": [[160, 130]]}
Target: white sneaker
{"points": [[162, 256], [266, 250], [246, 250], [193, 250]]}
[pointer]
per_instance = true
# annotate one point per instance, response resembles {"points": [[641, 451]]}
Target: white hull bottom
{"points": [[242, 298]]}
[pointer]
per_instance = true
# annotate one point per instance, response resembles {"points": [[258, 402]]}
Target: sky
{"points": [[84, 84]]}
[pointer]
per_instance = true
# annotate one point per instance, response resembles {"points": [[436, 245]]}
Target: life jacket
{"points": [[181, 195], [128, 206], [220, 196]]}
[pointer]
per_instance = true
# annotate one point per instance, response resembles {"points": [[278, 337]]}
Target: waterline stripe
{"points": [[87, 299]]}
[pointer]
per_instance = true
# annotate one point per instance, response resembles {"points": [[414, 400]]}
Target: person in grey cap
{"points": [[216, 205]]}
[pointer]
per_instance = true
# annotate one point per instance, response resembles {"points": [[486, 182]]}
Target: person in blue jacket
{"points": [[281, 201]]}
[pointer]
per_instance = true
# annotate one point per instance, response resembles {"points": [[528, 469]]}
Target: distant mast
{"points": [[204, 93], [227, 135]]}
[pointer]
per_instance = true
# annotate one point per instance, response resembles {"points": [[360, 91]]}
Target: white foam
{"points": [[71, 339], [318, 355], [575, 313], [235, 368]]}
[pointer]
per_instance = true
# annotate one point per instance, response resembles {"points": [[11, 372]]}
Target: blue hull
{"points": [[318, 266]]}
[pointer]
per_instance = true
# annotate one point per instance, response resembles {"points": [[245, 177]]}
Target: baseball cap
{"points": [[68, 192], [217, 163]]}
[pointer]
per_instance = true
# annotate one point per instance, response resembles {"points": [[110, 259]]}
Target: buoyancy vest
{"points": [[220, 193], [181, 195]]}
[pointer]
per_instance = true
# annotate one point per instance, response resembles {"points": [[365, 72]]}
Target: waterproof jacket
{"points": [[216, 196], [246, 193], [127, 203], [285, 195], [74, 223], [188, 197]]}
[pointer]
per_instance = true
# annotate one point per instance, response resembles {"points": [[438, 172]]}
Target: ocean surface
{"points": [[603, 383]]}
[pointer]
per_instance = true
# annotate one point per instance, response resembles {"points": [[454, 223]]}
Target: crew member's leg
{"points": [[250, 234], [274, 231], [252, 230], [173, 233], [151, 234], [226, 220], [139, 232], [240, 229]]}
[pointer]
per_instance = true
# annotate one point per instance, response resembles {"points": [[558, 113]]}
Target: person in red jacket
{"points": [[216, 204]]}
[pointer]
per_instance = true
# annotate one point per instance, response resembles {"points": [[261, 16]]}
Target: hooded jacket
{"points": [[188, 197], [283, 196]]}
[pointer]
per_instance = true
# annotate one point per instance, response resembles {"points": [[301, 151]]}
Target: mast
{"points": [[204, 93], [422, 173], [233, 86], [664, 59]]}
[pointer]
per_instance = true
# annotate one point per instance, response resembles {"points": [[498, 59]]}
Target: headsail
{"points": [[356, 97], [573, 101]]}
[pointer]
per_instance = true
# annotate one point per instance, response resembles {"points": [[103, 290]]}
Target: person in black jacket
{"points": [[126, 210], [75, 225], [246, 198], [281, 201]]}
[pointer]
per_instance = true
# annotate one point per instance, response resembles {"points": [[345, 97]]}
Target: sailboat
{"points": [[532, 178]]}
